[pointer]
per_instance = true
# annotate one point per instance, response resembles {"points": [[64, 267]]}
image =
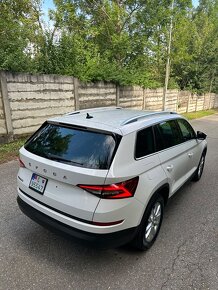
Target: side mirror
{"points": [[201, 135]]}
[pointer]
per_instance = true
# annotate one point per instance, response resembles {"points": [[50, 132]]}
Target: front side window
{"points": [[167, 135], [144, 143], [186, 130], [68, 145]]}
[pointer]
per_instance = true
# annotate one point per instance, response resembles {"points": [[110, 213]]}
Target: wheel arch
{"points": [[163, 190], [205, 150], [138, 240]]}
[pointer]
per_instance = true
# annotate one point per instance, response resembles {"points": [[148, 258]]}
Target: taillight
{"points": [[21, 163], [123, 189]]}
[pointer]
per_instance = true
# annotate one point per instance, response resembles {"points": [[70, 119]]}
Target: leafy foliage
{"points": [[124, 41]]}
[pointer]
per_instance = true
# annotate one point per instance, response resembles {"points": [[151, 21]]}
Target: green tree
{"points": [[195, 60], [18, 22], [124, 41]]}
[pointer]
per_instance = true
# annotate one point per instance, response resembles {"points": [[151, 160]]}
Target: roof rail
{"points": [[92, 110], [140, 117]]}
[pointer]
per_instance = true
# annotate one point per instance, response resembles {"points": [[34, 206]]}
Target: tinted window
{"points": [[186, 130], [144, 143], [72, 146], [168, 135]]}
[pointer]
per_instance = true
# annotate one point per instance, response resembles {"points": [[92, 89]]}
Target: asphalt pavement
{"points": [[185, 255]]}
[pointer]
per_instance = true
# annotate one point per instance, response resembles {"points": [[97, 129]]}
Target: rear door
{"points": [[172, 153], [189, 137]]}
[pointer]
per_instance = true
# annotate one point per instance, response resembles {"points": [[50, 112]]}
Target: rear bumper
{"points": [[104, 241]]}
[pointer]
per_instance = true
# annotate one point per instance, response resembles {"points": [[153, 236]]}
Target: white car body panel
{"points": [[65, 202], [174, 163]]}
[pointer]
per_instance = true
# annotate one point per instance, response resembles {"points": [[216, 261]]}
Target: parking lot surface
{"points": [[185, 255]]}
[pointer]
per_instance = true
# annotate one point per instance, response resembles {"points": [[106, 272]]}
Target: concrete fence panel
{"points": [[192, 102], [183, 101], [153, 99], [200, 103], [215, 101], [172, 100], [207, 101], [27, 100], [35, 98], [212, 100], [98, 94], [131, 97]]}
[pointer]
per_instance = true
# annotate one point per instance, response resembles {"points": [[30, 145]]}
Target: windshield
{"points": [[73, 146]]}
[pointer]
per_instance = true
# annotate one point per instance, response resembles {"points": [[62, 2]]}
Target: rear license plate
{"points": [[38, 183]]}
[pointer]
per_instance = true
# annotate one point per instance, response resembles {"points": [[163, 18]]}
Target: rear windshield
{"points": [[73, 146]]}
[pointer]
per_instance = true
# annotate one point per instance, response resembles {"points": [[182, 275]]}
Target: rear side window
{"points": [[186, 130], [144, 143], [82, 148], [167, 135]]}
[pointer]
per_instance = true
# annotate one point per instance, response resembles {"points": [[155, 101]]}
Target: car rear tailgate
{"points": [[61, 191]]}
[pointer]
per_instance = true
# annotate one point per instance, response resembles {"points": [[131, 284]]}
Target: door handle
{"points": [[169, 168], [190, 155]]}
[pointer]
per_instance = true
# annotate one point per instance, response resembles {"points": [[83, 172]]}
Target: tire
{"points": [[143, 239], [199, 170]]}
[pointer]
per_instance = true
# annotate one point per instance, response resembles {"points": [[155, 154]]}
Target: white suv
{"points": [[104, 175]]}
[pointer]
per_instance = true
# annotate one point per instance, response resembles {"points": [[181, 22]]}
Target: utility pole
{"points": [[168, 58]]}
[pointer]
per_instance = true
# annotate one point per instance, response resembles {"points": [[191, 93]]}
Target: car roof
{"points": [[114, 119]]}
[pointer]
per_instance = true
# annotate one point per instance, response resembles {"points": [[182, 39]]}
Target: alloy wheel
{"points": [[153, 222]]}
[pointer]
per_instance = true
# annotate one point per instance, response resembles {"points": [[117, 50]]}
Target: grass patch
{"points": [[10, 151], [199, 114]]}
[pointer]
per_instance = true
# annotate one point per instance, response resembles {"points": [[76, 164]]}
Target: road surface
{"points": [[185, 255]]}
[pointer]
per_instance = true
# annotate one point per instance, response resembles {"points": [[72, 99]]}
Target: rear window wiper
{"points": [[58, 158]]}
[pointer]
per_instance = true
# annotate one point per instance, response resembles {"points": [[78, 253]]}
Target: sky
{"points": [[195, 2], [46, 5]]}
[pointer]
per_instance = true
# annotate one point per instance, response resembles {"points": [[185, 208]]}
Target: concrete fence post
{"points": [[6, 105], [177, 102], [196, 105], [76, 93], [216, 101], [210, 101], [204, 101], [143, 103], [117, 95], [187, 109]]}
